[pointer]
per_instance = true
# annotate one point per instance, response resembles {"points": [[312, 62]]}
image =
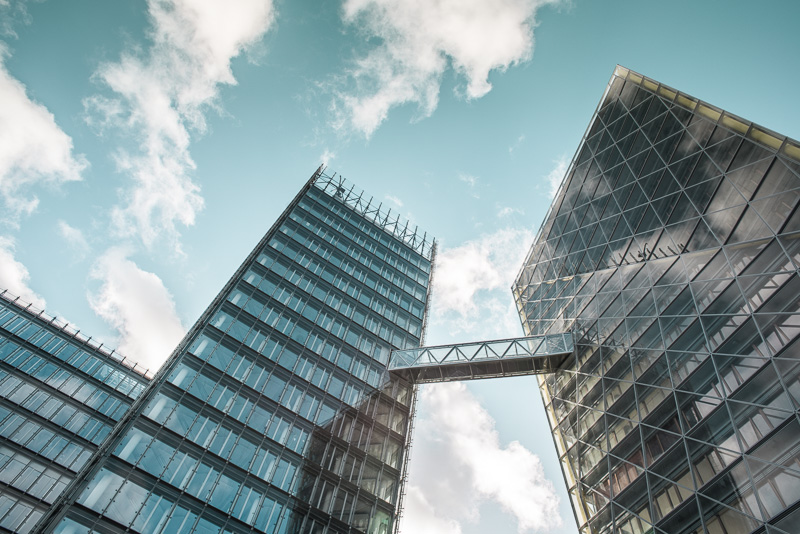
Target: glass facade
{"points": [[276, 413], [671, 252], [60, 397]]}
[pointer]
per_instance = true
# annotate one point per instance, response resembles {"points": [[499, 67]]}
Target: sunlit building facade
{"points": [[276, 414], [671, 252], [60, 396]]}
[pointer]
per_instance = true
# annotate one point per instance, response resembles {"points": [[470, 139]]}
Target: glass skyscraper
{"points": [[276, 413], [60, 396], [671, 252], [661, 306]]}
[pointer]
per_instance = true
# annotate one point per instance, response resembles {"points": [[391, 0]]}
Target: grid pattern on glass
{"points": [[275, 414], [484, 359], [672, 253], [59, 399]]}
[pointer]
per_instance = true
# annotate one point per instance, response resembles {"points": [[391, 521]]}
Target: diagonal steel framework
{"points": [[484, 359]]}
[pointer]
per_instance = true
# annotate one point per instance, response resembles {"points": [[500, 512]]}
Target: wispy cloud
{"points": [[556, 176], [74, 238], [470, 180], [395, 200], [161, 96], [507, 211], [421, 39], [471, 286], [33, 149], [420, 516], [459, 463], [136, 303], [326, 156], [516, 144], [14, 276], [472, 183]]}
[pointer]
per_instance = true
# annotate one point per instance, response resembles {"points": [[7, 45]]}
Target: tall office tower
{"points": [[276, 414], [671, 252], [60, 396]]}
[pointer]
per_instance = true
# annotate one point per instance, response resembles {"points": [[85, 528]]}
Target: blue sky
{"points": [[146, 146]]}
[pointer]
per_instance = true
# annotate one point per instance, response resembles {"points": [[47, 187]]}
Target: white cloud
{"points": [[327, 156], [33, 149], [14, 275], [419, 40], [162, 95], [487, 263], [516, 144], [138, 306], [556, 176], [74, 238], [472, 183], [395, 200], [459, 463], [419, 516], [508, 210], [471, 284], [468, 179]]}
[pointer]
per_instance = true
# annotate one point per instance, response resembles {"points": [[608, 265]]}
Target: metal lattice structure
{"points": [[392, 223], [483, 359]]}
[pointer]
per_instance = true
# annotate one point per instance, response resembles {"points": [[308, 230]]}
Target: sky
{"points": [[146, 146]]}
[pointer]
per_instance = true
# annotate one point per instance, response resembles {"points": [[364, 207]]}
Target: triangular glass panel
{"points": [[748, 178], [681, 169], [652, 128], [747, 153], [793, 224], [700, 129], [628, 94], [720, 134], [716, 267], [772, 260], [663, 206], [649, 182], [722, 153], [702, 193], [703, 170], [740, 256], [626, 143], [640, 143], [726, 196], [639, 111], [682, 114], [637, 196], [750, 227], [637, 162], [621, 127], [596, 127], [594, 140], [634, 216], [656, 107], [649, 221], [671, 126], [775, 210], [681, 233], [666, 147], [667, 186], [684, 210], [702, 238], [777, 180]]}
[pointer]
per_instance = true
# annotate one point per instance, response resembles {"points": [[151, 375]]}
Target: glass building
{"points": [[60, 396], [276, 413], [671, 252]]}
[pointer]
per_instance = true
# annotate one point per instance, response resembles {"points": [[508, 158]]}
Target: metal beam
{"points": [[483, 359]]}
